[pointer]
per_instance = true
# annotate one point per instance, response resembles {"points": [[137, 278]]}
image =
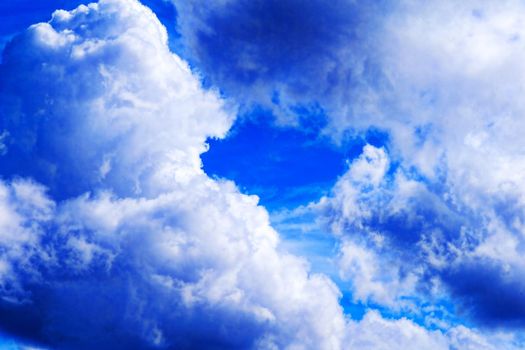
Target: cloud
{"points": [[404, 242], [120, 239], [279, 54], [112, 236], [441, 79], [394, 334], [106, 91], [457, 80]]}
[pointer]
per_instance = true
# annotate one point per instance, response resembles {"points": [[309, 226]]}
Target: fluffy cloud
{"points": [[441, 78], [394, 334], [462, 122], [132, 245], [444, 80], [119, 240], [163, 275], [108, 98], [404, 242]]}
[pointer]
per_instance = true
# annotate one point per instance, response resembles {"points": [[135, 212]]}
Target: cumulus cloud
{"points": [[404, 242], [131, 245], [459, 88], [444, 80], [112, 236], [108, 98], [394, 334]]}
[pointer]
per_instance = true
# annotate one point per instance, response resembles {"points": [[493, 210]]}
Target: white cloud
{"points": [[375, 332], [114, 124], [374, 278], [448, 91], [133, 236], [23, 204], [108, 95], [362, 200]]}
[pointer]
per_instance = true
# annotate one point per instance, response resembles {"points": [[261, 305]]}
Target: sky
{"points": [[262, 174]]}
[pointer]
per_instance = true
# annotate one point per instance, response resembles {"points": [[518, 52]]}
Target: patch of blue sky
{"points": [[285, 166], [433, 315], [436, 315], [7, 342], [303, 236]]}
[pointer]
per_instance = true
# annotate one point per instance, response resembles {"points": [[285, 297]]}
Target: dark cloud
{"points": [[488, 292], [302, 52]]}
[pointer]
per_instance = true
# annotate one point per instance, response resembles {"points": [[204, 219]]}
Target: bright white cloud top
{"points": [[112, 235], [152, 251]]}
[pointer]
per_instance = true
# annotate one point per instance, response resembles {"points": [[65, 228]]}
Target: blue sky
{"points": [[238, 174]]}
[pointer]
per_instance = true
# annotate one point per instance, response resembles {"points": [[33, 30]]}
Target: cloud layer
{"points": [[112, 236], [444, 82], [124, 241]]}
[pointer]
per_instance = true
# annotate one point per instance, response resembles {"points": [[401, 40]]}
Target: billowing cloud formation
{"points": [[102, 271], [133, 246], [403, 240], [460, 129], [111, 235], [106, 89], [279, 54], [444, 80]]}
